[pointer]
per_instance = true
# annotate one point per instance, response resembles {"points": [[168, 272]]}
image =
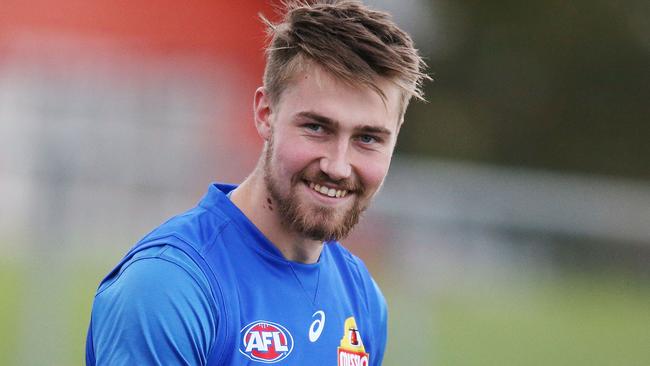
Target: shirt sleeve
{"points": [[156, 312]]}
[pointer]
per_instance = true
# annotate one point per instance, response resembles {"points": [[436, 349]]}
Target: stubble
{"points": [[314, 222]]}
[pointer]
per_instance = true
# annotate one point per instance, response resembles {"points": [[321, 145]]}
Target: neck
{"points": [[254, 200]]}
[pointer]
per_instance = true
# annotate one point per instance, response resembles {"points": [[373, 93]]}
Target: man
{"points": [[254, 274]]}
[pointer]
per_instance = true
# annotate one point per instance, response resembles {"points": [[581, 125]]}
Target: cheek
{"points": [[293, 156], [373, 171]]}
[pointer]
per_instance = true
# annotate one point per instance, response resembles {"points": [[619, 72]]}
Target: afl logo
{"points": [[265, 342]]}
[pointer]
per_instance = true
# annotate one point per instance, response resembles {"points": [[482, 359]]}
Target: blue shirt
{"points": [[207, 288]]}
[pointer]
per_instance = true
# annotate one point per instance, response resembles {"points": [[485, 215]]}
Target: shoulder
{"points": [[361, 275], [158, 264], [198, 227], [343, 257], [156, 307]]}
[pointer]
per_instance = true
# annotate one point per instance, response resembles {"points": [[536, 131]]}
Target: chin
{"points": [[328, 224]]}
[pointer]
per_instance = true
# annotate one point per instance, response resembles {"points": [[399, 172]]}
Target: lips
{"points": [[328, 191]]}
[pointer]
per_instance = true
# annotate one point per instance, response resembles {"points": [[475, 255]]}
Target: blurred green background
{"points": [[513, 229]]}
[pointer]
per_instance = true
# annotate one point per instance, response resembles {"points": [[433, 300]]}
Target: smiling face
{"points": [[328, 150]]}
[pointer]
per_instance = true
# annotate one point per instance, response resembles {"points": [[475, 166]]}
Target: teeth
{"points": [[330, 192]]}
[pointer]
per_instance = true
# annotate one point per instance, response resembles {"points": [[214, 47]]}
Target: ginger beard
{"points": [[315, 222]]}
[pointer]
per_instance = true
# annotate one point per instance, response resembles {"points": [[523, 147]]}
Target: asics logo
{"points": [[317, 326]]}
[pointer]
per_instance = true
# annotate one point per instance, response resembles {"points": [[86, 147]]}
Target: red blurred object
{"points": [[354, 341], [219, 27], [218, 37]]}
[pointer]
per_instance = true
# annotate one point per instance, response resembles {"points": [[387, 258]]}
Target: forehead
{"points": [[315, 90]]}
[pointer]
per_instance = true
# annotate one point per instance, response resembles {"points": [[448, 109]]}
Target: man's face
{"points": [[328, 152]]}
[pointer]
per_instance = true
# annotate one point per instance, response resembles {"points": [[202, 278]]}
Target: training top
{"points": [[208, 288]]}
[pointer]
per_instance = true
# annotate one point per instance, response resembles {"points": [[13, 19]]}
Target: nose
{"points": [[336, 163]]}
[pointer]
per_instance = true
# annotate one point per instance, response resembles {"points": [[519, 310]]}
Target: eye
{"points": [[367, 139], [314, 127]]}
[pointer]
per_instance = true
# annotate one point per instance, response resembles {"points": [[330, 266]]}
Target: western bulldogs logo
{"points": [[352, 352], [265, 341]]}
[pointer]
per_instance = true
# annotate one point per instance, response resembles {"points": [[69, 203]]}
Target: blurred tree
{"points": [[553, 85]]}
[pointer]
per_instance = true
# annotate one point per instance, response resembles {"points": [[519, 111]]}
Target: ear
{"points": [[262, 112]]}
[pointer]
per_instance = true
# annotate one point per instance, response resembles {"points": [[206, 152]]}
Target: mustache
{"points": [[349, 184]]}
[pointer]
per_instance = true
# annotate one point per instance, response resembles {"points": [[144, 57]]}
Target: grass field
{"points": [[572, 320], [11, 295], [576, 320]]}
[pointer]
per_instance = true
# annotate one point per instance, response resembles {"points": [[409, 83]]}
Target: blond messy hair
{"points": [[355, 44]]}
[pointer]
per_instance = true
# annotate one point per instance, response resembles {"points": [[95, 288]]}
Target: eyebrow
{"points": [[332, 123]]}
